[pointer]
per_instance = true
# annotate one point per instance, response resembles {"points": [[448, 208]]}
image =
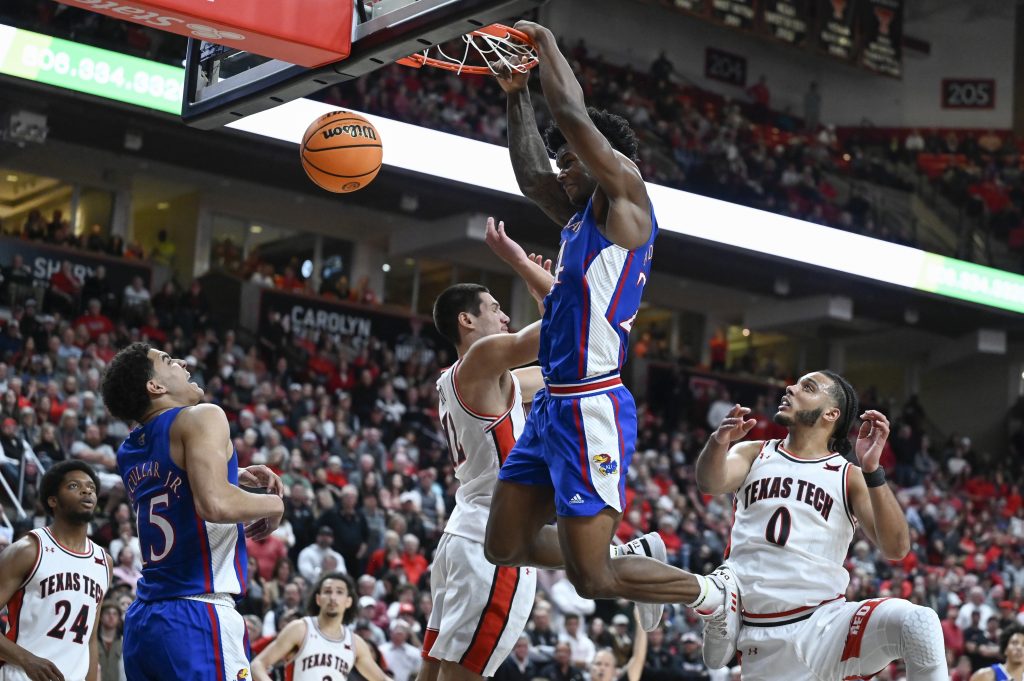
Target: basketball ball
{"points": [[341, 151]]}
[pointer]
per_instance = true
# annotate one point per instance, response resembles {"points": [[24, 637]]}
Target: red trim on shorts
{"points": [[584, 322], [584, 464], [218, 658], [858, 623], [493, 620], [577, 388], [14, 614], [428, 642], [787, 613], [504, 436], [622, 449]]}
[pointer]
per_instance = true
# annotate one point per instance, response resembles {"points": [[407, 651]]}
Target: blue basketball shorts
{"points": [[579, 439], [182, 638]]}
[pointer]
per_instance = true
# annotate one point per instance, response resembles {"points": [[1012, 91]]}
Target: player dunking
{"points": [[572, 458], [1011, 647], [53, 581], [320, 647], [480, 609], [181, 475], [798, 503]]}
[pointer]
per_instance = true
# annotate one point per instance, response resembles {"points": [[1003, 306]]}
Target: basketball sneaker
{"points": [[722, 625], [652, 546]]}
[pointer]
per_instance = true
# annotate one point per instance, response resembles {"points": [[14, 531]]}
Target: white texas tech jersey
{"points": [[321, 658], [53, 613], [791, 533], [478, 444]]}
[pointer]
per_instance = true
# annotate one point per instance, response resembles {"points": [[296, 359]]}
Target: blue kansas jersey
{"points": [[182, 554], [590, 309]]}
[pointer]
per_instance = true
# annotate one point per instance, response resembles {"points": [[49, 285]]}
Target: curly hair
{"points": [[845, 397], [350, 613], [49, 486], [124, 383], [615, 128], [1008, 633]]}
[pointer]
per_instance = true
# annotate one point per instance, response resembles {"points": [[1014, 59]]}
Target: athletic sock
{"points": [[637, 547], [711, 596]]}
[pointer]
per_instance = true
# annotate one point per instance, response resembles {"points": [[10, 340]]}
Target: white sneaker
{"points": [[722, 626], [652, 546]]}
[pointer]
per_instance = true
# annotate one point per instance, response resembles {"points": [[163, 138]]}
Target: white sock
{"points": [[711, 595], [636, 547]]}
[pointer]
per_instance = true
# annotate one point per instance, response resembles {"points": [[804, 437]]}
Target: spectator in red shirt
{"points": [[761, 97], [267, 552], [64, 289], [94, 321], [413, 562]]}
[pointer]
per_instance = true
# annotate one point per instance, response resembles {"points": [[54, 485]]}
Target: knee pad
{"points": [[922, 636]]}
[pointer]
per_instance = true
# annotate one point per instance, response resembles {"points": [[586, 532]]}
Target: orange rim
{"points": [[418, 61]]}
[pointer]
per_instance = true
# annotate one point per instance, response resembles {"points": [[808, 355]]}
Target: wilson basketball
{"points": [[341, 151]]}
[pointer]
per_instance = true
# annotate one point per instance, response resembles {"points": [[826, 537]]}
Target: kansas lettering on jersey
{"points": [[589, 311], [321, 658], [792, 530], [478, 444], [53, 613], [182, 554]]}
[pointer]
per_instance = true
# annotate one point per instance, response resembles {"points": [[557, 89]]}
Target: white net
{"points": [[495, 46]]}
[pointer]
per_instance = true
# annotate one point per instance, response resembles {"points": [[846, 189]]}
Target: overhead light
{"points": [[385, 267], [163, 205], [746, 332], [12, 178], [256, 229]]}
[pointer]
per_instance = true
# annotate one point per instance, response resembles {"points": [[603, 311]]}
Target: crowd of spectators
{"points": [[353, 431]]}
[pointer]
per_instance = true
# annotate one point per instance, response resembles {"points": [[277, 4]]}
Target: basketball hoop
{"points": [[495, 45]]}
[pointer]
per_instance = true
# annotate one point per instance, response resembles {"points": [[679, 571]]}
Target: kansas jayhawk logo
{"points": [[242, 674], [605, 464]]}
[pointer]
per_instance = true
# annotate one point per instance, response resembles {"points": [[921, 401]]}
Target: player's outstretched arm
{"points": [[722, 469], [530, 160], [17, 561], [531, 379], [876, 508], [629, 216], [287, 642], [635, 667], [534, 270], [205, 438], [365, 663], [491, 355]]}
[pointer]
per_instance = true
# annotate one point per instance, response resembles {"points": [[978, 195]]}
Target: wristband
{"points": [[875, 478]]}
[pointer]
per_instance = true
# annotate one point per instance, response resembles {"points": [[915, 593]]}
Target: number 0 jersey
{"points": [[478, 444], [791, 534], [182, 554], [53, 613]]}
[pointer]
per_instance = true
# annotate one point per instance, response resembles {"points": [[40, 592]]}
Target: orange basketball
{"points": [[341, 151]]}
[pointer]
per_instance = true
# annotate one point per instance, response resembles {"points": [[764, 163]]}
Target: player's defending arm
{"points": [[287, 642], [530, 160], [16, 562], [205, 437], [365, 663], [635, 667], [876, 508], [629, 216], [531, 379], [94, 653], [721, 469], [534, 270]]}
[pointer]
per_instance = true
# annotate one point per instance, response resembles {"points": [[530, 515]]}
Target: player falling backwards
{"points": [[181, 475], [321, 647], [572, 458], [481, 609], [53, 580], [798, 503]]}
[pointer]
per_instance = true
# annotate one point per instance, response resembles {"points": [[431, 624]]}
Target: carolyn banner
{"points": [[311, 317], [44, 260]]}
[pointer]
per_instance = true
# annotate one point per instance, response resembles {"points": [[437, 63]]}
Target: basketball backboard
{"points": [[225, 84]]}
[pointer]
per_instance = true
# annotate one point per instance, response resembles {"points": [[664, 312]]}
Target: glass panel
{"points": [[435, 277], [398, 282]]}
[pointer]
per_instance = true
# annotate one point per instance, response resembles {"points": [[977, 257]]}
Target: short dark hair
{"points": [[124, 383], [845, 397], [1008, 632], [53, 478], [615, 129], [453, 301], [350, 613]]}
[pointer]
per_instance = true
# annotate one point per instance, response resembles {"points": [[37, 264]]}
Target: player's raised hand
{"points": [[503, 246], [38, 669], [261, 476], [544, 263], [874, 431], [734, 426], [511, 80]]}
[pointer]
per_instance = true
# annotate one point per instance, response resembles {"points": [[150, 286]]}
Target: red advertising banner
{"points": [[304, 32]]}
